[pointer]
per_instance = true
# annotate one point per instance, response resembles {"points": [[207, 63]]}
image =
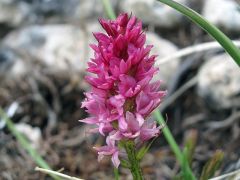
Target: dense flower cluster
{"points": [[121, 95]]}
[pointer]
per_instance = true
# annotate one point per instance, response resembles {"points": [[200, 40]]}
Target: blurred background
{"points": [[44, 48]]}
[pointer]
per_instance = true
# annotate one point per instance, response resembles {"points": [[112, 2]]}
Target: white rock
{"points": [[86, 9], [18, 12], [13, 12], [219, 82], [162, 48], [66, 10], [61, 47], [154, 12], [33, 134], [223, 13]]}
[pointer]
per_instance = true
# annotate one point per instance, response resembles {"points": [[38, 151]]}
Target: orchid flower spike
{"points": [[122, 94]]}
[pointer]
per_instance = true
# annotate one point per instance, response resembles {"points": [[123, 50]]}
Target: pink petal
{"points": [[90, 120], [133, 124], [140, 119], [122, 124], [148, 131], [115, 159], [116, 136]]}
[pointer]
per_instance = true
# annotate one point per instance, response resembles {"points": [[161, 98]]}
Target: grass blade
{"points": [[108, 9], [212, 165]]}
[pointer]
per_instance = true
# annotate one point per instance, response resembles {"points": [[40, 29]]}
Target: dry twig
{"points": [[192, 49], [47, 171]]}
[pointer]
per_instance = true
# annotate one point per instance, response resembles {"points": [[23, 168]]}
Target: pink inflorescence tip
{"points": [[122, 95]]}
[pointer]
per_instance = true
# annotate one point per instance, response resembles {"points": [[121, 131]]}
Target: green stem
{"points": [[24, 142], [108, 8], [116, 174], [171, 141], [226, 43], [134, 162]]}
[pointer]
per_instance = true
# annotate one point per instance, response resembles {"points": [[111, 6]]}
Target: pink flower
{"points": [[104, 110], [111, 150], [149, 130], [149, 98], [131, 125], [134, 126], [128, 86], [121, 95]]}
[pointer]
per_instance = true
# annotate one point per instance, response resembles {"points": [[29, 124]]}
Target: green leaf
{"points": [[108, 9], [185, 170], [125, 163], [212, 165], [226, 43], [190, 144], [144, 150]]}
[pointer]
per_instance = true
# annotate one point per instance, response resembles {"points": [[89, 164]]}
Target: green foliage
{"points": [[125, 163], [212, 165], [116, 174], [190, 144], [144, 150], [108, 9]]}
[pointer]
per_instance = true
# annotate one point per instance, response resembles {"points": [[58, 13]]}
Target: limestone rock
{"points": [[219, 82], [223, 13], [162, 48], [61, 47], [33, 134], [154, 12], [18, 12], [13, 12]]}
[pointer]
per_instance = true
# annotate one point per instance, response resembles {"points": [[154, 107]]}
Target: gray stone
{"points": [[162, 48], [11, 64], [18, 12], [7, 58], [66, 10], [153, 12], [219, 82], [223, 13], [61, 47], [13, 12], [33, 134]]}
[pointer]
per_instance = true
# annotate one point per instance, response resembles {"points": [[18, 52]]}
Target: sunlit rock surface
{"points": [[223, 13], [61, 47], [163, 48], [219, 82]]}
